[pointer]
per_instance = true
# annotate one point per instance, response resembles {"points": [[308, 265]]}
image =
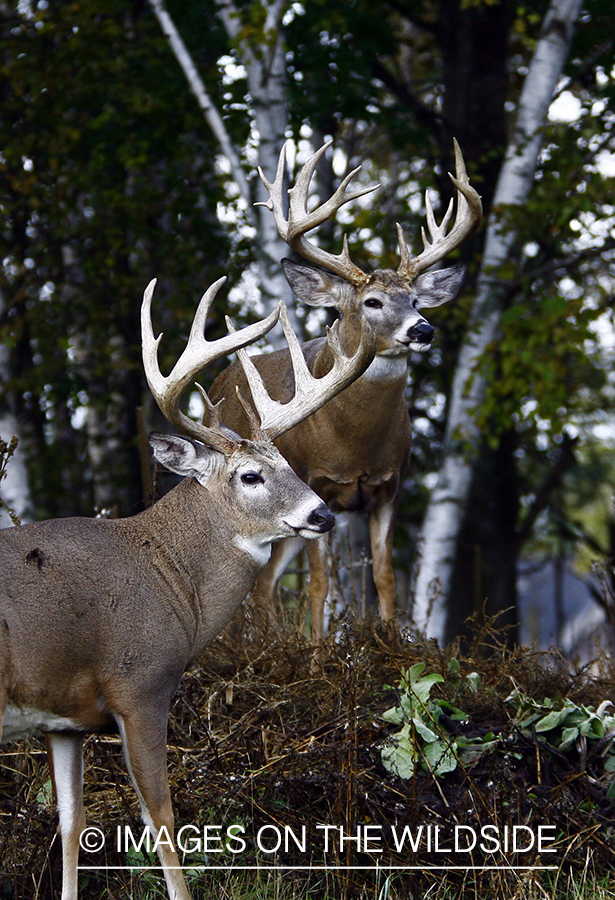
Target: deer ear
{"points": [[316, 287], [181, 456], [438, 287]]}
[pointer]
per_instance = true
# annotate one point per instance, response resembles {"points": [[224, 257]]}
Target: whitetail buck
{"points": [[100, 618], [355, 449]]}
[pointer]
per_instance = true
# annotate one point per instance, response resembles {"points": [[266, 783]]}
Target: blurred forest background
{"points": [[130, 133]]}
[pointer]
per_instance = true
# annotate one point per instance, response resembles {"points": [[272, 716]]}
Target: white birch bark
{"points": [[447, 505], [266, 75], [208, 108], [15, 486], [267, 85]]}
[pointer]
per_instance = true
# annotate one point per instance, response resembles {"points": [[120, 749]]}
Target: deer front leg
{"points": [[65, 753], [381, 521], [318, 559], [145, 750]]}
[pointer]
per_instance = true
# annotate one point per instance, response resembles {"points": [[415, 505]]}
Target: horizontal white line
{"points": [[199, 868]]}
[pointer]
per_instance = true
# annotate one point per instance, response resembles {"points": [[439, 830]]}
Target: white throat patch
{"points": [[259, 552], [387, 368]]}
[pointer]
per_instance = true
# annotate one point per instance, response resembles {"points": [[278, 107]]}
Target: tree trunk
{"points": [[447, 508], [483, 581], [474, 41], [15, 487], [266, 74]]}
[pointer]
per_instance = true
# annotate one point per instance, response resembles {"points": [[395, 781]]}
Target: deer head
{"points": [[390, 300]]}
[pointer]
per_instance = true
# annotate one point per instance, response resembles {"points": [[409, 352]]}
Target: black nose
{"points": [[421, 332], [322, 518]]}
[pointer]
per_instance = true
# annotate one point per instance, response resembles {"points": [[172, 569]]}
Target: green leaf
{"points": [[399, 756], [552, 720], [609, 765], [394, 715], [473, 681], [453, 668], [424, 731], [569, 735], [441, 757]]}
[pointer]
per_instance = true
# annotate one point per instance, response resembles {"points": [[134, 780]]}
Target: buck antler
{"points": [[198, 353], [310, 393], [275, 418], [299, 222], [469, 214]]}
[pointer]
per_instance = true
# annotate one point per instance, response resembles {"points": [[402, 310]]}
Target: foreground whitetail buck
{"points": [[99, 618], [354, 450]]}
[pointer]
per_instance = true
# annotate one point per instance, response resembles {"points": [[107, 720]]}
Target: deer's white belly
{"points": [[20, 722]]}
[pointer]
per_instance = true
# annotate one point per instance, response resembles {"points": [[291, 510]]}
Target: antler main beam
{"points": [[439, 243]]}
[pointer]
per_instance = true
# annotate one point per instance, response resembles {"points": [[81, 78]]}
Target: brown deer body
{"points": [[354, 451], [100, 618]]}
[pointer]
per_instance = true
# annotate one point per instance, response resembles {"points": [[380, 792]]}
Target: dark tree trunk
{"points": [[484, 577], [475, 54]]}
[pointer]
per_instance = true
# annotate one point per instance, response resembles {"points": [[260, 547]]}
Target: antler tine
{"points": [[310, 393], [198, 353], [275, 189], [439, 243], [299, 222]]}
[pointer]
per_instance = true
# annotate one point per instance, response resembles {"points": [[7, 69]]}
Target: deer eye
{"points": [[252, 478], [372, 303]]}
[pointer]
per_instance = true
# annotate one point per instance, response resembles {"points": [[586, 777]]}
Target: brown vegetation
{"points": [[257, 740]]}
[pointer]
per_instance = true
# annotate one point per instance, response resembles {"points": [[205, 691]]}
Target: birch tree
{"points": [[446, 508], [265, 65]]}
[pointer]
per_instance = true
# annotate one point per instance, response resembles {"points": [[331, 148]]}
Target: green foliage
{"points": [[426, 739], [564, 725], [106, 179]]}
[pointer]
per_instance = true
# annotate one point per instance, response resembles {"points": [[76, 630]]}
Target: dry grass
{"points": [[256, 740]]}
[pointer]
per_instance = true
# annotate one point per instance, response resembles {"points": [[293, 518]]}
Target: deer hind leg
{"points": [[318, 559], [145, 751], [65, 753], [381, 522]]}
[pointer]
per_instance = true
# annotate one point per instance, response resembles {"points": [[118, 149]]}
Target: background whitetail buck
{"points": [[354, 451], [99, 618]]}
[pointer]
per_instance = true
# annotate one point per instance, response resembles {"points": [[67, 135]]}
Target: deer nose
{"points": [[322, 518], [421, 332]]}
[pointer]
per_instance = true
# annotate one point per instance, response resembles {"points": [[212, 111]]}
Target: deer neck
{"points": [[179, 536]]}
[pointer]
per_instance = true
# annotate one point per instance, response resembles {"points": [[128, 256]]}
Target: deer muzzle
{"points": [[421, 333], [322, 519]]}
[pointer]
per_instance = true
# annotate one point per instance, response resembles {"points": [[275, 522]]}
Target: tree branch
{"points": [[210, 112], [564, 462]]}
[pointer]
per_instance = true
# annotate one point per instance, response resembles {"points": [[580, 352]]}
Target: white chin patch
{"points": [[420, 347], [310, 533]]}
